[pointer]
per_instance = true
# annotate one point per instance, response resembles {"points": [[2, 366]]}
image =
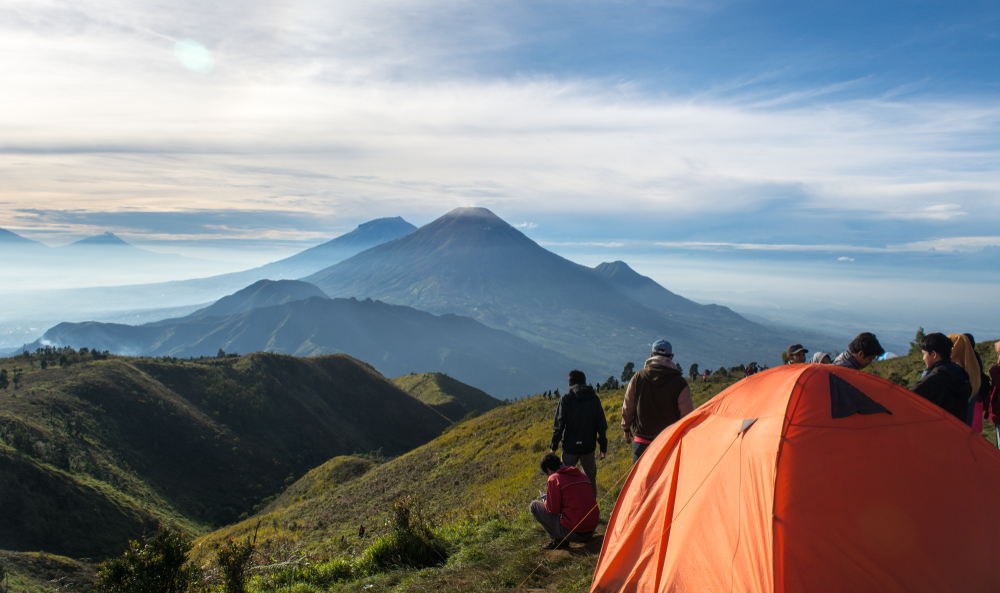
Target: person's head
{"points": [[821, 358], [996, 346], [550, 464], [796, 353], [577, 377], [865, 348], [972, 340], [663, 348], [936, 348]]}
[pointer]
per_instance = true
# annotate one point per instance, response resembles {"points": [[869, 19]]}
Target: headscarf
{"points": [[964, 355], [818, 357]]}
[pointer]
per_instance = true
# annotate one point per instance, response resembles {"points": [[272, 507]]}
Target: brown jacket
{"points": [[657, 396]]}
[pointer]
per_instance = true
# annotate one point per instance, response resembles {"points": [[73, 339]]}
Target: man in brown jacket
{"points": [[657, 396]]}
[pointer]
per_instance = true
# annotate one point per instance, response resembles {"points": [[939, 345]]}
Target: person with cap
{"points": [[581, 425], [796, 354], [860, 353], [568, 511], [657, 396]]}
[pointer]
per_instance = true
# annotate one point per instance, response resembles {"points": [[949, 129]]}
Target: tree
{"points": [[628, 372], [221, 354], [17, 377], [784, 357], [556, 394], [3, 379], [693, 371], [915, 344]]}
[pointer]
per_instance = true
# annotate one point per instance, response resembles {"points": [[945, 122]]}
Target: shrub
{"points": [[157, 566], [234, 559], [409, 543]]}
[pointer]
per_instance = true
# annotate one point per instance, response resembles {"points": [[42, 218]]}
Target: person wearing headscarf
{"points": [[963, 353], [821, 358]]}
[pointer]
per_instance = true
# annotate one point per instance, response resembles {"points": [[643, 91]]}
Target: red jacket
{"points": [[568, 493]]}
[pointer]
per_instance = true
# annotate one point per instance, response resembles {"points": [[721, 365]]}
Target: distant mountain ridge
{"points": [[12, 238], [105, 239], [470, 262], [396, 340]]}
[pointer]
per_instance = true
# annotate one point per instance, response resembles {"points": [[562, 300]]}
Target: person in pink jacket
{"points": [[568, 511]]}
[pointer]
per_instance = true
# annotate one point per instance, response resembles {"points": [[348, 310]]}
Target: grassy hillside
{"points": [[451, 397], [96, 452], [474, 482]]}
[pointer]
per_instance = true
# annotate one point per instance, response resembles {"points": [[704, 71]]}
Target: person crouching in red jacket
{"points": [[568, 511]]}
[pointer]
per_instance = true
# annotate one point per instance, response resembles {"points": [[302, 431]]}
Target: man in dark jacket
{"points": [[581, 425], [943, 383], [657, 396]]}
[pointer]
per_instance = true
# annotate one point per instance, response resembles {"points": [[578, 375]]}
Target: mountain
{"points": [[452, 398], [95, 452], [105, 239], [9, 238], [396, 340], [367, 235], [470, 262]]}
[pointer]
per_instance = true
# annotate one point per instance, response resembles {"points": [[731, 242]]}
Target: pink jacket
{"points": [[568, 493]]}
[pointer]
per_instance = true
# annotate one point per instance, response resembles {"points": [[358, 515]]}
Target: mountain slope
{"points": [[105, 239], [470, 262], [451, 397], [10, 238], [263, 293], [396, 340], [96, 452]]}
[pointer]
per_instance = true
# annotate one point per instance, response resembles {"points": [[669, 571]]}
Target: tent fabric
{"points": [[800, 500]]}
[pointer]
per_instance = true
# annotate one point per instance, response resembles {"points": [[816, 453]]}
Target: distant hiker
{"points": [[568, 510], [657, 396], [821, 358], [581, 425], [943, 383], [963, 353], [796, 354], [860, 352]]}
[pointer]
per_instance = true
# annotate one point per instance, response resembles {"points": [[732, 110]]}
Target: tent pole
{"points": [[998, 436]]}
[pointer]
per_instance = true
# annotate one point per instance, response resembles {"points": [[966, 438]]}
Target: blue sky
{"points": [[247, 130]]}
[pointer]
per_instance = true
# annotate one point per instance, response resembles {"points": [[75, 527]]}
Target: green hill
{"points": [[451, 397], [96, 452]]}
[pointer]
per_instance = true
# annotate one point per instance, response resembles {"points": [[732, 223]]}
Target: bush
{"points": [[409, 544], [157, 566]]}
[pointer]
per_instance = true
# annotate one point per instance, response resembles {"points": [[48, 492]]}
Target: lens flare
{"points": [[194, 56]]}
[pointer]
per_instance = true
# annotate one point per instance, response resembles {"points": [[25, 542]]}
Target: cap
{"points": [[662, 347], [795, 349]]}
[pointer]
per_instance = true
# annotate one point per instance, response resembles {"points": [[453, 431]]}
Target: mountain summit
{"points": [[105, 239]]}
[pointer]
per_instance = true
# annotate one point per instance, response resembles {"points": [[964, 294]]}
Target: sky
{"points": [[837, 156]]}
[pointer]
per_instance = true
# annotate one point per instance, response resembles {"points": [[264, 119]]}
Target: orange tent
{"points": [[809, 478]]}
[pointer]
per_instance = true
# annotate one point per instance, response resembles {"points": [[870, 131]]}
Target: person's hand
{"points": [[600, 455], [628, 436], [553, 451]]}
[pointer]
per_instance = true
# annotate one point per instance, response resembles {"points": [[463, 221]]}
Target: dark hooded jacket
{"points": [[946, 385], [580, 422]]}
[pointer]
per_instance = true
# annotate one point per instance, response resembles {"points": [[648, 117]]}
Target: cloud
{"points": [[525, 225], [845, 259], [346, 111]]}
